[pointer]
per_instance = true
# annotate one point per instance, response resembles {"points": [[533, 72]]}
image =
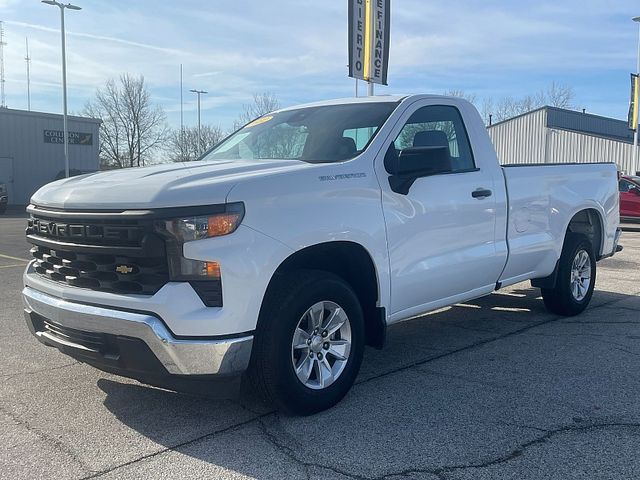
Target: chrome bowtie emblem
{"points": [[124, 269]]}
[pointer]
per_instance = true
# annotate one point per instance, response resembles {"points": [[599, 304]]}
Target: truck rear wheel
{"points": [[576, 278], [309, 342]]}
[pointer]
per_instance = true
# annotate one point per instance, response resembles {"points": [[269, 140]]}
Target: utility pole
{"points": [[62, 7], [199, 92], [28, 60], [3, 100], [182, 146], [181, 104]]}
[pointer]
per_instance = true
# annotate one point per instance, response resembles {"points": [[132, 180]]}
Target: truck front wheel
{"points": [[576, 278], [309, 342]]}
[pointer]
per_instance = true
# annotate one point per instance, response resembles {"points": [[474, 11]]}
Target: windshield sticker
{"points": [[342, 176], [258, 121]]}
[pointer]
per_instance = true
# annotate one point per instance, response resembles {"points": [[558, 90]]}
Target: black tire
{"points": [[561, 300], [271, 370]]}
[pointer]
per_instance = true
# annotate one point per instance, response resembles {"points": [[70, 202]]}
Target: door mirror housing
{"points": [[413, 163]]}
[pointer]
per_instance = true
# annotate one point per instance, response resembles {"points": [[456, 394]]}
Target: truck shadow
{"points": [[420, 412]]}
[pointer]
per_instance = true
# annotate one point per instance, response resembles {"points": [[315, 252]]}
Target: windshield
{"points": [[325, 134]]}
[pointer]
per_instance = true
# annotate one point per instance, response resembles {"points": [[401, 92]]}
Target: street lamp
{"points": [[635, 135], [62, 6], [199, 92]]}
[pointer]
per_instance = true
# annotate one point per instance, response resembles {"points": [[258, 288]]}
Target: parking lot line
{"points": [[14, 265], [14, 258]]}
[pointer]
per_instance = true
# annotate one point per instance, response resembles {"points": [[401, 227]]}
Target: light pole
{"points": [[199, 92], [635, 135], [62, 6]]}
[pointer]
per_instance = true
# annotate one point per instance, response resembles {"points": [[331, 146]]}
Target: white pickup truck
{"points": [[299, 239]]}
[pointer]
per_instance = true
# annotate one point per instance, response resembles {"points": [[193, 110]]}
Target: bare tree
{"points": [[263, 103], [469, 97], [132, 127], [561, 96], [184, 146], [555, 95]]}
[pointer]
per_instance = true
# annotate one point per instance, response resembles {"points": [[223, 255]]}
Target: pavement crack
{"points": [[9, 376], [178, 446], [477, 344], [624, 350], [602, 322], [475, 330], [518, 451], [56, 443], [464, 379]]}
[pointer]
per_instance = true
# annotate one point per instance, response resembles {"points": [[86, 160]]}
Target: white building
{"points": [[556, 135]]}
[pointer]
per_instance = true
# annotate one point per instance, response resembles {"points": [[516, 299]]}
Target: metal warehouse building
{"points": [[556, 135], [32, 150]]}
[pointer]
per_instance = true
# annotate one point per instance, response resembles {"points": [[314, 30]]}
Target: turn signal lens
{"points": [[188, 269], [223, 224], [213, 269]]}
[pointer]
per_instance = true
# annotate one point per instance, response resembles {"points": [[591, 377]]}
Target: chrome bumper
{"points": [[179, 357]]}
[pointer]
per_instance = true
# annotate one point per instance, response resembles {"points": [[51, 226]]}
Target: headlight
{"points": [[204, 276], [188, 229]]}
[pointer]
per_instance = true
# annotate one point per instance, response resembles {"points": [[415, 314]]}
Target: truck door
{"points": [[441, 233]]}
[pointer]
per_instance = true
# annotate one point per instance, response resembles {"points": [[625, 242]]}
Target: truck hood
{"points": [[167, 185]]}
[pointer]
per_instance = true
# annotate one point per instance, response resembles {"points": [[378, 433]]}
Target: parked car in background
{"points": [[4, 198], [629, 187]]}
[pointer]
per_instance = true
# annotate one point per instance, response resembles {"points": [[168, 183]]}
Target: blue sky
{"points": [[297, 49]]}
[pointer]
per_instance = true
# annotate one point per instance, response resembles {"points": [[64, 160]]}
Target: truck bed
{"points": [[542, 201]]}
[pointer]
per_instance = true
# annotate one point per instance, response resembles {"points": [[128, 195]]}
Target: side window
{"points": [[435, 126], [624, 186]]}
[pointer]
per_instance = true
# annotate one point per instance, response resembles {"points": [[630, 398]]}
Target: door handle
{"points": [[481, 193]]}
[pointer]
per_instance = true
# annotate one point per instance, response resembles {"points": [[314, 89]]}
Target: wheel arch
{"points": [[586, 221], [354, 264], [589, 222]]}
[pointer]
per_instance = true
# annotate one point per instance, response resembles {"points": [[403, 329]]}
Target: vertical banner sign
{"points": [[633, 107], [369, 32]]}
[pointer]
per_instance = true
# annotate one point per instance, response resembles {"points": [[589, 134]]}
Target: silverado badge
{"points": [[124, 269]]}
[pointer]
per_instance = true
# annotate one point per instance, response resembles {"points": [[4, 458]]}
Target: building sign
{"points": [[633, 106], [369, 32], [75, 138]]}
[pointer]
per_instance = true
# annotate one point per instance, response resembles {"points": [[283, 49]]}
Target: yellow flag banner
{"points": [[633, 106]]}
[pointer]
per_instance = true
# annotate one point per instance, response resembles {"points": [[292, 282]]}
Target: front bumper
{"points": [[4, 199], [132, 344]]}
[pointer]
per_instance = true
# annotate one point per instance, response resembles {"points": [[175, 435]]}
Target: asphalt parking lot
{"points": [[495, 388]]}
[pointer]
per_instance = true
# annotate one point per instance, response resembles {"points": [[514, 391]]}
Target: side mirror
{"points": [[413, 163]]}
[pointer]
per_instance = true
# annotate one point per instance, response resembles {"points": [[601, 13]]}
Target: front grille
{"points": [[91, 340], [107, 273], [105, 254]]}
